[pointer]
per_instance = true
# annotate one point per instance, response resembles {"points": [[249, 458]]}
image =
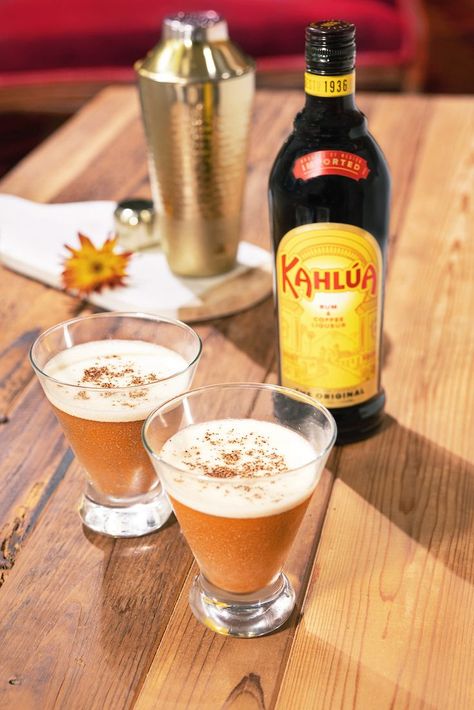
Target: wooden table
{"points": [[383, 564]]}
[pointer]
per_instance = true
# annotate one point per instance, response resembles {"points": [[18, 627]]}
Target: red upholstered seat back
{"points": [[39, 35]]}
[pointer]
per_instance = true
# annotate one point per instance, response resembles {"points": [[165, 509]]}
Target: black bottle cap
{"points": [[330, 47]]}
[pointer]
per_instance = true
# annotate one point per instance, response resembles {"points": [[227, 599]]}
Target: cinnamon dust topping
{"points": [[221, 472], [112, 376], [255, 457]]}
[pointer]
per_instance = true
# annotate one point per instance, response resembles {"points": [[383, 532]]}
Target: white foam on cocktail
{"points": [[126, 360], [258, 493]]}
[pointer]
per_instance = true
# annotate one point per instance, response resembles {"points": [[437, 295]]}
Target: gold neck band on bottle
{"points": [[329, 86]]}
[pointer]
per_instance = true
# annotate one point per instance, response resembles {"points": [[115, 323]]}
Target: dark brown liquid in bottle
{"points": [[324, 124]]}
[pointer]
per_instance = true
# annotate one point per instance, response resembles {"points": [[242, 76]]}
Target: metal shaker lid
{"points": [[205, 26], [194, 48]]}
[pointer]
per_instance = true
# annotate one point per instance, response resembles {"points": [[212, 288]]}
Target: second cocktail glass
{"points": [[103, 374], [240, 463]]}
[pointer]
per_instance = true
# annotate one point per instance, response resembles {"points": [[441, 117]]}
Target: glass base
{"points": [[242, 615], [131, 521]]}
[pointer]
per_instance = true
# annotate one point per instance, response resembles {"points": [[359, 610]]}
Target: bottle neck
{"points": [[336, 105], [326, 93]]}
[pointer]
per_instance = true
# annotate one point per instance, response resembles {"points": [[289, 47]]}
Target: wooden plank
{"points": [[26, 308], [82, 613], [98, 608], [401, 141], [29, 474], [26, 500], [196, 668], [229, 670], [71, 151], [89, 640], [389, 611], [119, 168], [114, 167], [44, 176], [66, 608]]}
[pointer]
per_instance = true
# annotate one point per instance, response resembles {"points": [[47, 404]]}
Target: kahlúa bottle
{"points": [[329, 209]]}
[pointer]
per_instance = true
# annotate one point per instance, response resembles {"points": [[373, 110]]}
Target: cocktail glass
{"points": [[239, 508], [102, 422]]}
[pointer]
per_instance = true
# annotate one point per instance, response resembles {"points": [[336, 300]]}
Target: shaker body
{"points": [[197, 137], [196, 91]]}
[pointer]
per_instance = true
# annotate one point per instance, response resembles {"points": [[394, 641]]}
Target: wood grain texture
{"points": [[387, 617], [101, 601], [73, 149], [398, 124], [194, 667], [390, 607], [99, 607], [83, 612], [26, 493], [26, 308], [227, 676]]}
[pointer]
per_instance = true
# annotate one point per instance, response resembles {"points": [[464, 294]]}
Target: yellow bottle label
{"points": [[329, 86], [329, 282]]}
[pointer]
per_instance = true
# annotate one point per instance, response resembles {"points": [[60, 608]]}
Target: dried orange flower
{"points": [[91, 268]]}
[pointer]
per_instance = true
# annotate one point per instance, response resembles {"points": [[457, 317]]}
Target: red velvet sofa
{"points": [[63, 41]]}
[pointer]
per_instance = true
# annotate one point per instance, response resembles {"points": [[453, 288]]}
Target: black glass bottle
{"points": [[329, 209]]}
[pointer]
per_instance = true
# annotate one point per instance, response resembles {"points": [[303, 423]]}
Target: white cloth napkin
{"points": [[32, 239]]}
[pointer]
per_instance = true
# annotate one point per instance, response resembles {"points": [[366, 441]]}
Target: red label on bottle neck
{"points": [[330, 162]]}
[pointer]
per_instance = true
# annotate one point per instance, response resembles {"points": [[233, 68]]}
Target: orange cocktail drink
{"points": [[103, 375], [240, 486]]}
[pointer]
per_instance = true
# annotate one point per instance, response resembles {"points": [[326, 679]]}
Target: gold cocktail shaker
{"points": [[196, 90]]}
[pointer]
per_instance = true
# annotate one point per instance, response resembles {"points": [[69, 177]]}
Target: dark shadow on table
{"points": [[424, 489], [252, 331], [421, 487]]}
